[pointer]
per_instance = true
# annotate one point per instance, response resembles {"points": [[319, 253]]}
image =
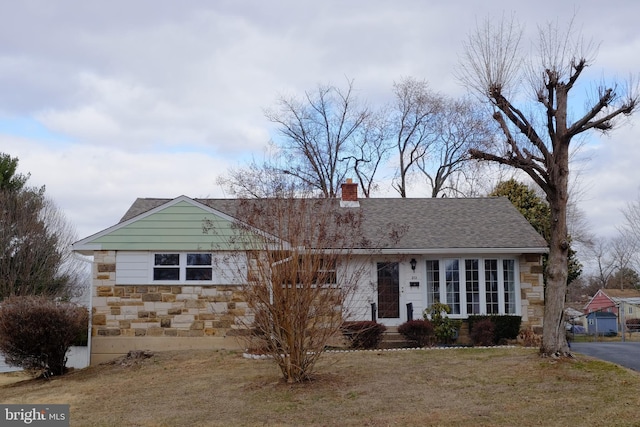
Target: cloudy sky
{"points": [[104, 102]]}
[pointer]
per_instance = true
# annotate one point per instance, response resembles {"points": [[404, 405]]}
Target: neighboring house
{"points": [[157, 284], [615, 300]]}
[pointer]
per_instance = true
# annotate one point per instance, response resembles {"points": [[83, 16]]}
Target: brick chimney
{"points": [[349, 194]]}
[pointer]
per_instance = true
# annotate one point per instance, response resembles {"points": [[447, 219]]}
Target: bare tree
{"points": [[631, 226], [369, 151], [492, 67], [413, 124], [301, 271], [257, 180], [604, 262], [459, 126], [583, 288], [322, 137], [624, 250]]}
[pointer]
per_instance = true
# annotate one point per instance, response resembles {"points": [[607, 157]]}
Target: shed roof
{"points": [[602, 315]]}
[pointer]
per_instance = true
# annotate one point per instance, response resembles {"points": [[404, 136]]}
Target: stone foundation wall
{"points": [[532, 292], [174, 311], [162, 311]]}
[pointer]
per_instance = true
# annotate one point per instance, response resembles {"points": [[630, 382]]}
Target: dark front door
{"points": [[388, 290]]}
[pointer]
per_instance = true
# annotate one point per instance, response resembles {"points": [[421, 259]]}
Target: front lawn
{"points": [[479, 387]]}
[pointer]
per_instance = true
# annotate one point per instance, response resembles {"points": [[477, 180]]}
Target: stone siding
{"points": [[162, 310], [532, 292]]}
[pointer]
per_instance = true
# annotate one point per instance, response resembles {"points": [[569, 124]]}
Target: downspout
{"points": [[90, 318]]}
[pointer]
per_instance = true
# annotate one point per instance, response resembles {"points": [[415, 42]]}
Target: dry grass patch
{"points": [[490, 387], [13, 377]]}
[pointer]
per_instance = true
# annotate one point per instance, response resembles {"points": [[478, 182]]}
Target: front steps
{"points": [[392, 339]]}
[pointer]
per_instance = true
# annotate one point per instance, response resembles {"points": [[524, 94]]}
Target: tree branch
{"points": [[603, 123]]}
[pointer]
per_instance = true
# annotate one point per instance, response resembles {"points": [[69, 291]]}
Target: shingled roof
{"points": [[464, 224]]}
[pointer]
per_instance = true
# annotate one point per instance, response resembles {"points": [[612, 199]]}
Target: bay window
{"points": [[473, 285]]}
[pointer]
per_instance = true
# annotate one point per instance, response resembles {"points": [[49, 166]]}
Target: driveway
{"points": [[623, 353]]}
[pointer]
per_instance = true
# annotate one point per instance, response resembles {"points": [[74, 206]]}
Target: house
{"points": [[159, 281], [623, 303]]}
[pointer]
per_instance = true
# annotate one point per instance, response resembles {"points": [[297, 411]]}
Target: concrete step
{"points": [[393, 339]]}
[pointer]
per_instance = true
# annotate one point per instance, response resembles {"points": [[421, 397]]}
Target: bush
{"points": [[364, 334], [506, 327], [633, 325], [36, 332], [445, 328], [483, 332], [419, 332], [528, 338]]}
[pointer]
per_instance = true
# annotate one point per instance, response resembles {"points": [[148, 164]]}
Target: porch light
{"points": [[413, 263]]}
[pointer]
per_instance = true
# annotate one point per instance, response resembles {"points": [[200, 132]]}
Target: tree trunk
{"points": [[554, 339]]}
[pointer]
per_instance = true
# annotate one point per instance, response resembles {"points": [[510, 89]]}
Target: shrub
{"points": [[633, 325], [419, 332], [483, 332], [364, 334], [36, 332], [445, 329], [506, 327], [529, 338]]}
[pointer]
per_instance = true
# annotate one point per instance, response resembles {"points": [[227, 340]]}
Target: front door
{"points": [[388, 290]]}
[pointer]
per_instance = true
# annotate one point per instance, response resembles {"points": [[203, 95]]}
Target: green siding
{"points": [[177, 227]]}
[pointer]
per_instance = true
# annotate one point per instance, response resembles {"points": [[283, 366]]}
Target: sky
{"points": [[104, 102]]}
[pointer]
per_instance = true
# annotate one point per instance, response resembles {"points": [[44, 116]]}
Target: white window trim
{"points": [[182, 265], [481, 277]]}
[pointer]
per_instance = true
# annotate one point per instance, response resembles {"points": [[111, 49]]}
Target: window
{"points": [[189, 267], [166, 267], [472, 282], [452, 285], [433, 282], [326, 274], [199, 267], [489, 285], [509, 280]]}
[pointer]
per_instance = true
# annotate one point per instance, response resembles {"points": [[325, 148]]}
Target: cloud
{"points": [[611, 178], [156, 99], [95, 186]]}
